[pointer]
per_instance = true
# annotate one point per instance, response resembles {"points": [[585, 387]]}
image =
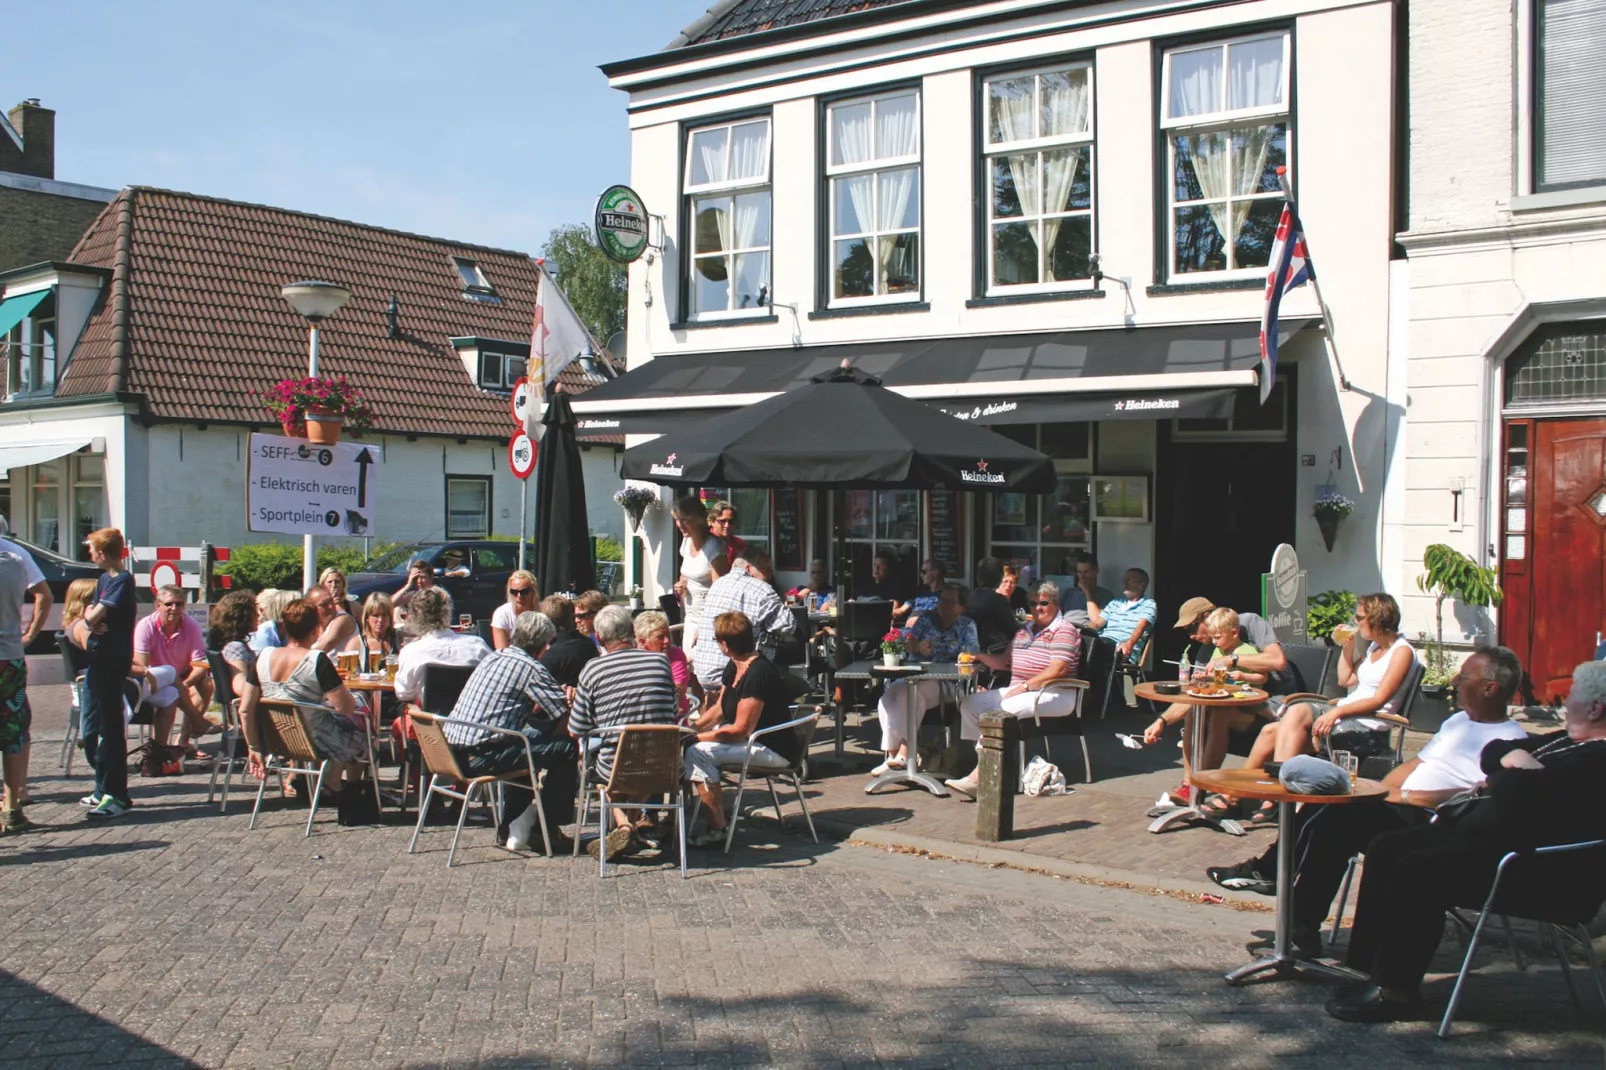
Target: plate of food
{"points": [[1208, 691]]}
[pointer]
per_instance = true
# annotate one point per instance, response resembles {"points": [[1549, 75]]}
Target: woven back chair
{"points": [[646, 763], [279, 734], [432, 745], [446, 773]]}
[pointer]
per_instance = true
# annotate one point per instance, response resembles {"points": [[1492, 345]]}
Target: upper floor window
{"points": [[476, 286], [1040, 178], [30, 352], [501, 371], [1570, 93], [873, 170], [1226, 118], [728, 194]]}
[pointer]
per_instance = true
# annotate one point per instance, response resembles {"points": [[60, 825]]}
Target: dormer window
{"points": [[499, 371], [28, 342], [476, 287]]}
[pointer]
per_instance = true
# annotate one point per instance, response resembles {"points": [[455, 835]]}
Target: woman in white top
{"points": [[702, 561], [1373, 666], [522, 597]]}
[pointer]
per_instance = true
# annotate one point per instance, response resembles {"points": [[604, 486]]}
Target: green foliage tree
{"points": [[594, 284], [1452, 574], [259, 566], [1328, 610]]}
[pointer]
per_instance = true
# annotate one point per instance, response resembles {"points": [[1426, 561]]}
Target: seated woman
{"points": [[270, 603], [377, 634], [232, 621], [296, 672], [652, 633], [522, 597], [940, 636], [752, 696], [1372, 673]]}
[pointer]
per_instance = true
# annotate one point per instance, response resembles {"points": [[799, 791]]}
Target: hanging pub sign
{"points": [[621, 224]]}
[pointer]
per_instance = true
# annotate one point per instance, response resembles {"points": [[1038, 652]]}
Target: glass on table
{"points": [[390, 667], [465, 621], [1349, 763]]}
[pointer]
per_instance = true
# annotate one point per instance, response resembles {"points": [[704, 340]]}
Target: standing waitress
{"points": [[110, 619]]}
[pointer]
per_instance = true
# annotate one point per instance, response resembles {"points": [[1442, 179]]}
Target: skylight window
{"points": [[476, 287]]}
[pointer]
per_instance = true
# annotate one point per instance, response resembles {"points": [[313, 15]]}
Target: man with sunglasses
{"points": [[722, 524], [170, 652], [1047, 650]]}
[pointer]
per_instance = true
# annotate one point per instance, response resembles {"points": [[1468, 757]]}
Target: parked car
{"points": [[473, 572], [59, 572]]}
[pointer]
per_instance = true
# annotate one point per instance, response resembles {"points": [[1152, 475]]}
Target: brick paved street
{"points": [[178, 937]]}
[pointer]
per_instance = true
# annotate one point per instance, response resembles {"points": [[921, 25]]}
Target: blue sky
{"points": [[484, 122]]}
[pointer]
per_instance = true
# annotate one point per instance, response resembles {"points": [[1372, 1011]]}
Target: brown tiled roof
{"points": [[194, 320], [738, 18]]}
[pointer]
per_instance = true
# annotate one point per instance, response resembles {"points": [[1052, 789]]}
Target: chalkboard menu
{"points": [[945, 521], [789, 531]]}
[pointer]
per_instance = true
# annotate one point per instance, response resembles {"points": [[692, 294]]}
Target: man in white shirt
{"points": [[1328, 836], [38, 590], [429, 618]]}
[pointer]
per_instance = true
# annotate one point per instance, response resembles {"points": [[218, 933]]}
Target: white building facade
{"points": [[1064, 210], [1505, 453]]}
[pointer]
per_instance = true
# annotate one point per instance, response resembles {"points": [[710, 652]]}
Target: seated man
{"points": [[170, 651], [938, 636], [744, 589], [511, 689], [420, 577], [586, 607], [1087, 594], [429, 620], [1537, 791], [1049, 648], [625, 686], [882, 587], [925, 599], [569, 651], [1127, 621], [818, 585], [1327, 836]]}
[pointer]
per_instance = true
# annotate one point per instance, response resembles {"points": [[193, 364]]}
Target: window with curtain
{"points": [[728, 202], [1039, 132], [873, 171], [468, 507], [1570, 93], [1226, 117]]}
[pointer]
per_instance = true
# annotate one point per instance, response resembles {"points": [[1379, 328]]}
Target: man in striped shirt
{"points": [[510, 689], [1048, 649], [624, 686], [744, 589]]}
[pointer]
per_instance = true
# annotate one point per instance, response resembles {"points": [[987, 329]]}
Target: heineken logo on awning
{"points": [[981, 475], [668, 468], [598, 425], [1145, 404]]}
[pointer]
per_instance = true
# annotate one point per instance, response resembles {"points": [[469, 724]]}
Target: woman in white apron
{"points": [[702, 561]]}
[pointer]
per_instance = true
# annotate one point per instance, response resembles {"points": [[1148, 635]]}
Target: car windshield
{"points": [[39, 552], [397, 559]]}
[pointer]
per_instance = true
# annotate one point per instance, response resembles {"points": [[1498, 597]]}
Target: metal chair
{"points": [[223, 686], [1396, 713], [1315, 668], [646, 762], [439, 688], [1034, 727], [1557, 916], [804, 728], [74, 663], [441, 763], [1118, 666]]}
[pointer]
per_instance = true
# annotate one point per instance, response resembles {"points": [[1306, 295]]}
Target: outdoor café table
{"points": [[1257, 784], [941, 671], [1166, 816]]}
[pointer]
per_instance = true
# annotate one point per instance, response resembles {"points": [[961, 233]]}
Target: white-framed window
{"points": [[30, 349], [499, 371], [468, 507], [1046, 531], [88, 500], [872, 168], [1039, 159], [1226, 119], [1569, 94], [881, 521], [728, 202]]}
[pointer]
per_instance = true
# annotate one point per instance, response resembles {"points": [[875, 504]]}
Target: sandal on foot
{"points": [[1266, 815], [1219, 806]]}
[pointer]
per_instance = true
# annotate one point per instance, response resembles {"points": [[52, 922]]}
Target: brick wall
{"points": [[40, 226]]}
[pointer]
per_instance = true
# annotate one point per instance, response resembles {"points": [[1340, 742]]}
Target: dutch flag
{"points": [[1290, 267]]}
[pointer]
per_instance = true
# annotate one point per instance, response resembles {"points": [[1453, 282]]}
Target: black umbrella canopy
{"points": [[844, 429], [562, 536]]}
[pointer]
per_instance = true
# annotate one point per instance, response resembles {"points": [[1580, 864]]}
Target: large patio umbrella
{"points": [[843, 430], [562, 536]]}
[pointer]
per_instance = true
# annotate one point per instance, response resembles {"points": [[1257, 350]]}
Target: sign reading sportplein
{"points": [[621, 224], [296, 488]]}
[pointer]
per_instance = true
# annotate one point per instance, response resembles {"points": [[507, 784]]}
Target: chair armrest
{"points": [[1562, 848], [1065, 682], [1391, 718], [770, 731], [1304, 696]]}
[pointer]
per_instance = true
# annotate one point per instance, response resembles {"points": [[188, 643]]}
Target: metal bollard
{"points": [[998, 771]]}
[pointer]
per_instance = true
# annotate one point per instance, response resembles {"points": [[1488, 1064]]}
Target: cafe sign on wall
{"points": [[621, 224], [1283, 595]]}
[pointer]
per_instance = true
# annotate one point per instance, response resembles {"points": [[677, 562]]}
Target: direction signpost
{"points": [[296, 488]]}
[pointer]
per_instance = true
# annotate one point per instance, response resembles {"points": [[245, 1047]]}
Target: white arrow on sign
{"points": [[521, 455], [521, 401], [296, 488]]}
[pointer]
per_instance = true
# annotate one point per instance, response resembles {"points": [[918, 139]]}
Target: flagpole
{"points": [[1316, 286]]}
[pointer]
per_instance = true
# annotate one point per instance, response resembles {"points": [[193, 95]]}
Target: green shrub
{"points": [[1328, 610], [258, 566], [608, 549]]}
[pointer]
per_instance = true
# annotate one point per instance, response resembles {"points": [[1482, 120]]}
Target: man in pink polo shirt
{"points": [[170, 652]]}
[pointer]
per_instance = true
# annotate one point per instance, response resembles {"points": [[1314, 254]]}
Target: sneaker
{"points": [[1182, 794], [90, 800], [621, 838], [891, 765], [707, 838], [108, 807], [966, 786], [1244, 877]]}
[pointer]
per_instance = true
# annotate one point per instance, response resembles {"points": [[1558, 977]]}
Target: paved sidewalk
{"points": [[178, 937]]}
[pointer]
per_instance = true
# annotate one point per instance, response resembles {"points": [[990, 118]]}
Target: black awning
{"points": [[1189, 370]]}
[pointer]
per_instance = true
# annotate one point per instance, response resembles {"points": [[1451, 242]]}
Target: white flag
{"points": [[557, 337]]}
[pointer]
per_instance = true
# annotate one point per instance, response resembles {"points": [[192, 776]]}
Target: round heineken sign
{"points": [[621, 224]]}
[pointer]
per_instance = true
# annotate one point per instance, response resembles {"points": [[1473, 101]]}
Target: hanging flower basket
{"points": [[1331, 509], [318, 408], [636, 501]]}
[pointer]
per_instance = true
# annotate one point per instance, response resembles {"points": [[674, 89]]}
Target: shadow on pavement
{"points": [[39, 1029], [24, 852]]}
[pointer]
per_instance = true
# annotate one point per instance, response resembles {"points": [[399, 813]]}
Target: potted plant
{"points": [[892, 648], [1326, 611], [315, 408], [1331, 509], [1450, 574], [636, 502]]}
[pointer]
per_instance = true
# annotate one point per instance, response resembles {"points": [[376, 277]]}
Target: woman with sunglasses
{"points": [[522, 597]]}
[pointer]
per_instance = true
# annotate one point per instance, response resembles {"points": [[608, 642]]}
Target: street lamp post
{"points": [[316, 301]]}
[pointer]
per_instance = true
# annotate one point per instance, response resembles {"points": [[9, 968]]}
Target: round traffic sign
{"points": [[520, 402], [159, 576], [521, 455]]}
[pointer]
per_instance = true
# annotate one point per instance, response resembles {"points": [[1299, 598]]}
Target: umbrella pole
{"points": [[524, 518]]}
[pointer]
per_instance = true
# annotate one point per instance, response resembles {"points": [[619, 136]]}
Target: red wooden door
{"points": [[1567, 560]]}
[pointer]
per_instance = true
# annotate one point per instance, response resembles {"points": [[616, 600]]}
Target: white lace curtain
{"points": [[864, 133], [1063, 110]]}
